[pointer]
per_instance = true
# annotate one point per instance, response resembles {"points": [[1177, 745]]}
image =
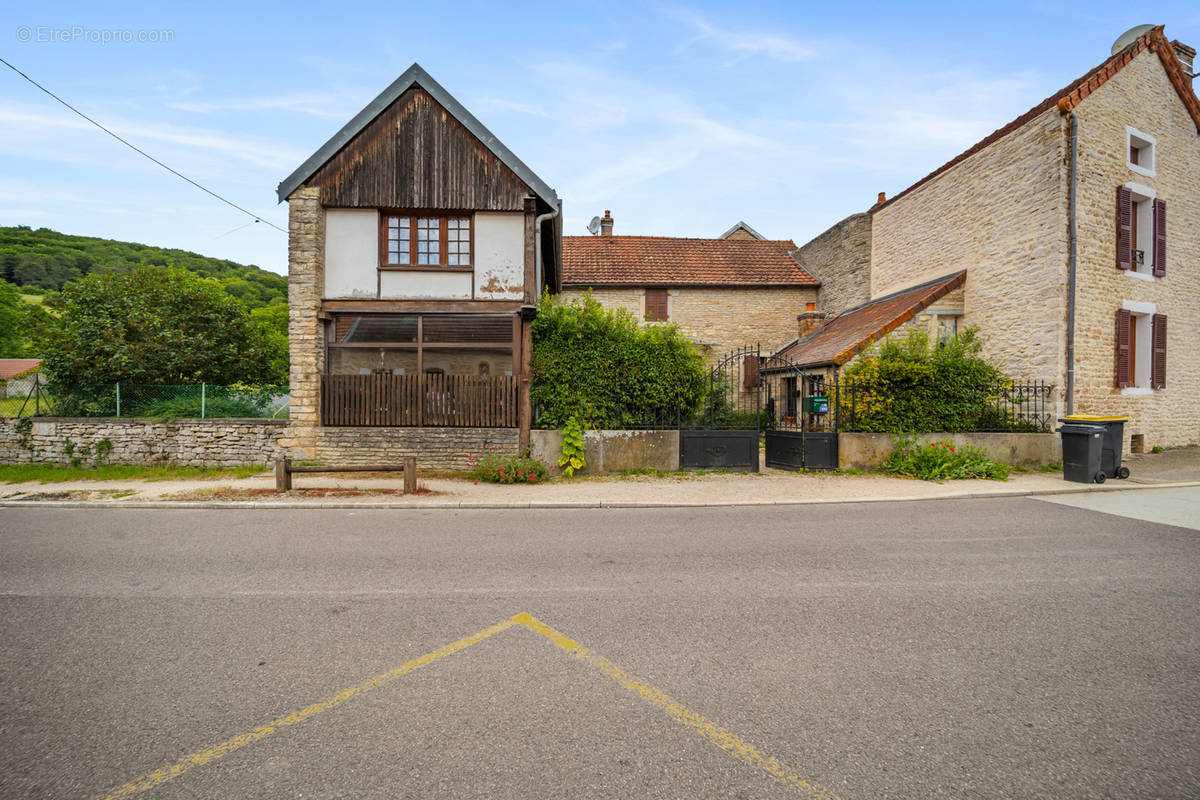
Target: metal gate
{"points": [[723, 434], [801, 409]]}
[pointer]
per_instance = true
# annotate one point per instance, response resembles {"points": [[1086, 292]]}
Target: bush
{"points": [[494, 468], [941, 461], [600, 367], [912, 385]]}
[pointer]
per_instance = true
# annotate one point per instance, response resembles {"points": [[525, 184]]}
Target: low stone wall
{"points": [[614, 451], [868, 450], [186, 442], [434, 448]]}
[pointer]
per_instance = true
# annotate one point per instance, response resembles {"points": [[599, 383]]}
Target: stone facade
{"points": [[841, 259], [720, 318], [185, 442], [1000, 214], [306, 333], [1140, 96]]}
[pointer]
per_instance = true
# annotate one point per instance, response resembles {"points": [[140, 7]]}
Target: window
{"points": [[426, 241], [1140, 152], [1141, 232], [947, 327], [656, 305], [1141, 349]]}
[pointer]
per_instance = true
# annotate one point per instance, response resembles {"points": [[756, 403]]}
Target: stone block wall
{"points": [[841, 259], [867, 451], [613, 451], [1000, 214], [719, 318], [184, 442], [434, 448], [306, 333], [1140, 96]]}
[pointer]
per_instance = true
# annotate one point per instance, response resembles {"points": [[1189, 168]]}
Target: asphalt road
{"points": [[957, 649]]}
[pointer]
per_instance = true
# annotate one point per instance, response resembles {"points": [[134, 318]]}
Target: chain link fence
{"points": [[155, 401]]}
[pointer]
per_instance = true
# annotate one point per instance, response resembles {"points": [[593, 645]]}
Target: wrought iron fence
{"points": [[1006, 407], [157, 401]]}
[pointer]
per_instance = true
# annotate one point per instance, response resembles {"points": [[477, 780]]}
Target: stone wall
{"points": [[1000, 214], [720, 319], [867, 451], [434, 448], [614, 451], [1141, 96], [186, 442], [841, 259]]}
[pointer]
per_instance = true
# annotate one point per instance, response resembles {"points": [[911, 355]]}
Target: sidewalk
{"points": [[770, 487]]}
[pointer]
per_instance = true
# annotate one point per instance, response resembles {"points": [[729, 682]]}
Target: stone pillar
{"points": [[306, 333]]}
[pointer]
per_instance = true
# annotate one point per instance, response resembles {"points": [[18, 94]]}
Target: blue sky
{"points": [[681, 118]]}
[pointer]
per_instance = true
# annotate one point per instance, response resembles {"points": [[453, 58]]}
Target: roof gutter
{"points": [[1072, 259]]}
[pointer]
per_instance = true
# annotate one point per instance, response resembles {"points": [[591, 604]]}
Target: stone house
{"points": [[418, 245], [723, 293], [1078, 227]]}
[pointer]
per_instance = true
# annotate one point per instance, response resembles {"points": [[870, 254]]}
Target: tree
{"points": [[23, 325], [153, 325], [271, 325]]}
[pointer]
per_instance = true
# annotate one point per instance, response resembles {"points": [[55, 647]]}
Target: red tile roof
{"points": [[850, 332], [666, 261], [15, 367], [1069, 97]]}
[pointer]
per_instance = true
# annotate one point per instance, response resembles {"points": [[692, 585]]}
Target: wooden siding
{"points": [[428, 400], [415, 155]]}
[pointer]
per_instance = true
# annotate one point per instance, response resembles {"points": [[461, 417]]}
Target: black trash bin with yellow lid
{"points": [[1111, 446]]}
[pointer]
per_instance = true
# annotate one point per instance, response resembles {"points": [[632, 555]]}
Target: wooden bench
{"points": [[284, 471]]}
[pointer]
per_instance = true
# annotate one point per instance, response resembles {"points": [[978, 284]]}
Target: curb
{"points": [[466, 505]]}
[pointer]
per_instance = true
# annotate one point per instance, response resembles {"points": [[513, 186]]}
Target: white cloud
{"points": [[330, 106], [745, 43]]}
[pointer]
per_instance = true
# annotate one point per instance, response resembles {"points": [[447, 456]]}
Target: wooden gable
{"points": [[416, 155]]}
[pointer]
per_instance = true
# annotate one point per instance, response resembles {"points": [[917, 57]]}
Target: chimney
{"points": [[809, 322], [1186, 55], [882, 197], [606, 223]]}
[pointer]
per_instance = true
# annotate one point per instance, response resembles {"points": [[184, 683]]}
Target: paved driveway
{"points": [[975, 648]]}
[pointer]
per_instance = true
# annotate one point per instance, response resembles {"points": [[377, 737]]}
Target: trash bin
{"points": [[1114, 441], [1081, 451]]}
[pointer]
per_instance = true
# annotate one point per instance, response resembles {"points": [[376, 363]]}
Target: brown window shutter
{"points": [[750, 372], [1160, 237], [1158, 351], [1125, 241], [1124, 321], [656, 305]]}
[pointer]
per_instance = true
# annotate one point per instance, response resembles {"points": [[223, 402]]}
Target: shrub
{"points": [[941, 461], [494, 468], [913, 385], [600, 367]]}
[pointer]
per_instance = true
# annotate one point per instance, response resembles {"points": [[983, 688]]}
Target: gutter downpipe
{"points": [[1072, 261], [537, 246]]}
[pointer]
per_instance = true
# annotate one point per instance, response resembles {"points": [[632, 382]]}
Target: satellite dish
{"points": [[1129, 37], [594, 226]]}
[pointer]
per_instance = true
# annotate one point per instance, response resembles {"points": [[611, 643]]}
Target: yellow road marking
{"points": [[715, 734], [189, 762], [706, 728]]}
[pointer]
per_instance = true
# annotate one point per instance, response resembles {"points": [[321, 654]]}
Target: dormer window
{"points": [[431, 241], [1140, 153]]}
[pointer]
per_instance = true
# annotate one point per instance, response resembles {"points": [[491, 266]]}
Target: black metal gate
{"points": [[723, 434], [801, 412]]}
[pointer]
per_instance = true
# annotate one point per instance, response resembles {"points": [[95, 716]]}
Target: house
{"points": [[1077, 226], [18, 376], [723, 293], [418, 245]]}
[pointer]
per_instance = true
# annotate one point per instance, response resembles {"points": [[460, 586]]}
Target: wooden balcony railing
{"points": [[414, 401]]}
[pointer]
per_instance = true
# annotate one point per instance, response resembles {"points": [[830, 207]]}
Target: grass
{"points": [[11, 406], [53, 473], [1055, 467]]}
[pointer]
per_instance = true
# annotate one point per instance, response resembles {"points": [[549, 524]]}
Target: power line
{"points": [[137, 149]]}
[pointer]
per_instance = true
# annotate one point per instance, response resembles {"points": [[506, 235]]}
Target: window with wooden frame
{"points": [[1141, 232], [1141, 350], [426, 241], [656, 305]]}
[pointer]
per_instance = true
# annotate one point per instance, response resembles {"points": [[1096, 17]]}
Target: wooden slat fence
{"points": [[412, 401]]}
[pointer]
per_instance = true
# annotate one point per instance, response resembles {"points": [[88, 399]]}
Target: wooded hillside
{"points": [[48, 259]]}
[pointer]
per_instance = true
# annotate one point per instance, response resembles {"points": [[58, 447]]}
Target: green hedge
{"points": [[602, 368], [913, 385]]}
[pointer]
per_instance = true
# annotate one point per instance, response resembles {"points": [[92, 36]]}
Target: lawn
{"points": [[11, 406], [53, 473]]}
